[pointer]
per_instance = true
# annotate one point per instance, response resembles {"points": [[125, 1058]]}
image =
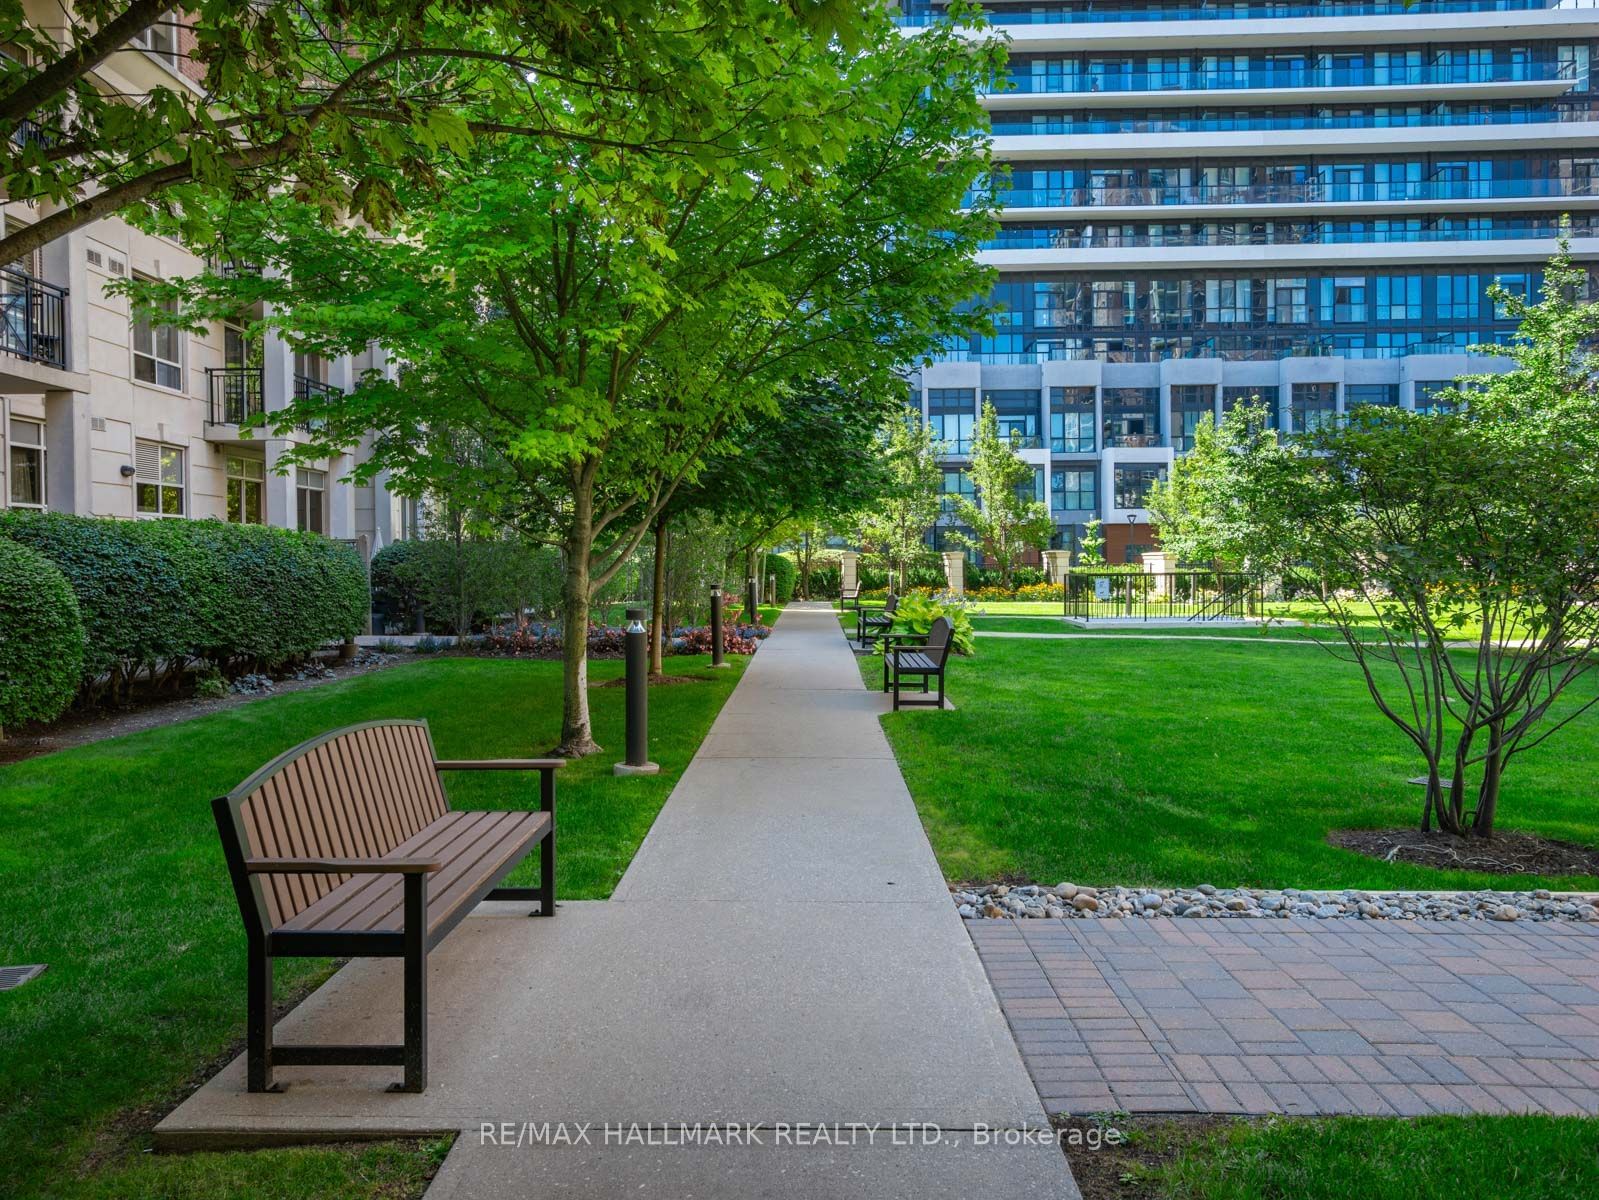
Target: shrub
{"points": [[916, 614], [41, 638], [393, 593], [826, 581], [786, 574], [157, 595]]}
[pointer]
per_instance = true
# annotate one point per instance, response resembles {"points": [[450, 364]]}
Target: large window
{"points": [[158, 351], [1132, 416], [1383, 395], [1017, 412], [952, 414], [1432, 395], [1251, 397], [1071, 420], [246, 479], [1032, 489], [1072, 488], [956, 483], [159, 483], [1131, 483], [1313, 406], [1191, 403], [26, 464], [311, 489]]}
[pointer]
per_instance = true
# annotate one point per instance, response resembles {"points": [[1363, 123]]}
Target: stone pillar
{"points": [[849, 570], [955, 571], [1056, 564], [69, 478], [1161, 564]]}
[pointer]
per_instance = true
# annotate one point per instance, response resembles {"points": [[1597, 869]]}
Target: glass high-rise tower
{"points": [[1209, 202]]}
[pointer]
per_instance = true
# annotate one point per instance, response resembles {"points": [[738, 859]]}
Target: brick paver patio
{"points": [[1263, 1016]]}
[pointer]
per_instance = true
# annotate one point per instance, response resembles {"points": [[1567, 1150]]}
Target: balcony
{"points": [[307, 388], [1110, 13], [237, 395], [33, 319], [1094, 236]]}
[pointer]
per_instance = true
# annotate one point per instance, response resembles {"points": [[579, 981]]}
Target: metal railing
{"points": [[1267, 78], [1096, 14], [33, 318], [237, 394], [306, 388], [1196, 596], [1311, 191], [1276, 233]]}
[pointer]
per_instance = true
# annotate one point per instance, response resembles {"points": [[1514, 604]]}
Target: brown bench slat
{"points": [[913, 663], [471, 845]]}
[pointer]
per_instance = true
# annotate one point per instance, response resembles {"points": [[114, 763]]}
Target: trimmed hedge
{"points": [[785, 575], [157, 595], [41, 638]]}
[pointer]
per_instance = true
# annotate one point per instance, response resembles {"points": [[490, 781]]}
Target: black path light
{"points": [[638, 700]]}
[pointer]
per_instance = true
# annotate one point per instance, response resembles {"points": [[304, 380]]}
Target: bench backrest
{"points": [[938, 640], [850, 593], [354, 793], [890, 604]]}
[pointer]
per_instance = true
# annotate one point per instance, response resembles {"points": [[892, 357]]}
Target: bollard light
{"points": [[638, 699], [718, 642], [752, 600]]}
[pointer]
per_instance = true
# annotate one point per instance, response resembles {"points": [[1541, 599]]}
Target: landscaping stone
{"points": [[1068, 900]]}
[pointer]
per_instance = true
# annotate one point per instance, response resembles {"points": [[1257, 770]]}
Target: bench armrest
{"points": [[500, 764], [894, 650], [341, 866]]}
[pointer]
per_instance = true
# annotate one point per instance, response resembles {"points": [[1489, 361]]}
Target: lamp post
{"points": [[638, 700], [1132, 524], [717, 641]]}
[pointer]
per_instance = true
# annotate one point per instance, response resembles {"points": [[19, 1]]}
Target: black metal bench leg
{"points": [[258, 1021], [547, 847], [416, 986]]}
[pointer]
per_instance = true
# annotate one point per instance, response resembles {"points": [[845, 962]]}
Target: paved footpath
{"points": [[781, 951], [1261, 1016]]}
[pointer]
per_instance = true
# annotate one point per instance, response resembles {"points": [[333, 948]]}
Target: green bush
{"points": [[393, 592], [158, 595], [41, 638], [916, 614], [785, 575]]}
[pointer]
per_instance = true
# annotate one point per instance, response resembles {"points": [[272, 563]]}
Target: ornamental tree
{"points": [[896, 526], [598, 359], [1462, 547], [348, 102], [1006, 519]]}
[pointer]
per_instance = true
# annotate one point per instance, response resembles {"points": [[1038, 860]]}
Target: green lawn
{"points": [[110, 872], [1121, 761], [1354, 1158]]}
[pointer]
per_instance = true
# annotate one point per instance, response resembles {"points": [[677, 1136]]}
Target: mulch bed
{"points": [[1502, 854]]}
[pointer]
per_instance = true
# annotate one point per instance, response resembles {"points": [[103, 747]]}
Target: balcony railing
{"points": [[1276, 233], [1111, 13], [237, 394], [1310, 191], [33, 319], [306, 388], [1268, 78]]}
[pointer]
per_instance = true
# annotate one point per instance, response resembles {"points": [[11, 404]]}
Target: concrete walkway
{"points": [[1284, 1016], [782, 954]]}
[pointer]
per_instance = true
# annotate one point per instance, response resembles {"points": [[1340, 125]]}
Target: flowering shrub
{"points": [[1028, 591], [540, 640]]}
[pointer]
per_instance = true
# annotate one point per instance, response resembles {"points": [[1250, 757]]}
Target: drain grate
{"points": [[15, 977]]}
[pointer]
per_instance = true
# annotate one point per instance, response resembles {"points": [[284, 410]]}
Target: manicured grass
{"points": [[110, 872], [1353, 1158], [1114, 760]]}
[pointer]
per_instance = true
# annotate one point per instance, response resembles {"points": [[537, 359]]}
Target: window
{"points": [[311, 500], [246, 477], [1071, 420], [952, 413], [1385, 395], [158, 479], [1343, 299], [957, 483], [1435, 395], [1071, 489], [1132, 416], [1032, 489], [1251, 397], [1132, 482], [1398, 297], [1017, 413], [161, 40], [26, 469], [1314, 406], [1191, 403], [158, 350]]}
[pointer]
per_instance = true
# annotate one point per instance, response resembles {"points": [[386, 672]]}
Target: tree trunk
{"points": [[658, 598], [1493, 769], [577, 735], [805, 567]]}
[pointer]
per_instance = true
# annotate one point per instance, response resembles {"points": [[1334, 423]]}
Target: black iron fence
{"points": [[237, 394], [33, 318], [1196, 596]]}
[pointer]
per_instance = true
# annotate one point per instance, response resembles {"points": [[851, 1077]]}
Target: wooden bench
{"points": [[850, 597], [346, 847], [869, 626], [924, 661]]}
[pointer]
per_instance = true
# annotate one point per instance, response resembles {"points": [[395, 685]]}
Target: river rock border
{"points": [[1002, 901]]}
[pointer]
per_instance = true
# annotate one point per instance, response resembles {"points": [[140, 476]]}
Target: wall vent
{"points": [[118, 267], [96, 259], [97, 424]]}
